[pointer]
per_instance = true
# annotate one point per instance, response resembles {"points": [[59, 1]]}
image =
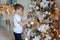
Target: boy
{"points": [[18, 24]]}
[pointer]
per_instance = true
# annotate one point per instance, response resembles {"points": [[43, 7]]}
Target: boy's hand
{"points": [[29, 19]]}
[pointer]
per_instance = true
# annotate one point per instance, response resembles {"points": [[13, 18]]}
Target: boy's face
{"points": [[20, 10]]}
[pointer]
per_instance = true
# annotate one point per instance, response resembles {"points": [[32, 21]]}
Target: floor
{"points": [[5, 35]]}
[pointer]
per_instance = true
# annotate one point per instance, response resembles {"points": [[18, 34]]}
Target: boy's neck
{"points": [[16, 12]]}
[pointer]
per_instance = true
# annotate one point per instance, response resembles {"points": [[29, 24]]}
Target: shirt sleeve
{"points": [[17, 18]]}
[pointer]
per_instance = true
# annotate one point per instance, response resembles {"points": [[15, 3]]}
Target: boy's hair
{"points": [[18, 6]]}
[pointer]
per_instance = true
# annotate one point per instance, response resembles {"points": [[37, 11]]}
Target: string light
{"points": [[6, 9], [59, 36]]}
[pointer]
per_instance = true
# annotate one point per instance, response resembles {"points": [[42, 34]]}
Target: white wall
{"points": [[6, 17], [3, 1], [25, 3]]}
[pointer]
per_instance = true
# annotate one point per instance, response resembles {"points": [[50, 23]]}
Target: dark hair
{"points": [[18, 6]]}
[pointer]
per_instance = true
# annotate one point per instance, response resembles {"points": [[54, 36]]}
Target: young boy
{"points": [[18, 24]]}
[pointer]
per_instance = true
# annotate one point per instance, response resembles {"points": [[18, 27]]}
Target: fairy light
{"points": [[49, 13], [59, 36]]}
